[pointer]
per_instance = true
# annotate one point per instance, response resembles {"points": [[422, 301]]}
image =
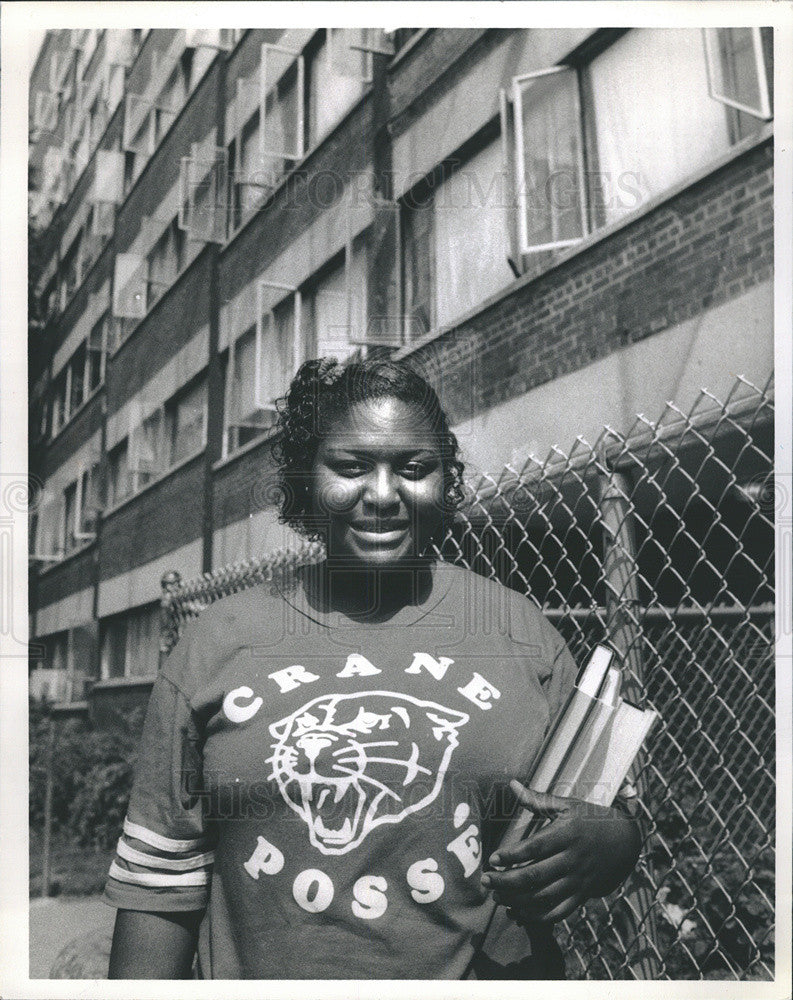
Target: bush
{"points": [[92, 776]]}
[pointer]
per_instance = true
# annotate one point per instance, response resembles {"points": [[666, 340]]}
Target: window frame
{"points": [[765, 111]]}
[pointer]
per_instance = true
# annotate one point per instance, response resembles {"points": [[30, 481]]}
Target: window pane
{"points": [[78, 375], [187, 423], [470, 235], [143, 641], [246, 421], [69, 496], [95, 342], [417, 251], [114, 647], [278, 345], [551, 150], [654, 118], [281, 105], [334, 86], [331, 317], [120, 482]]}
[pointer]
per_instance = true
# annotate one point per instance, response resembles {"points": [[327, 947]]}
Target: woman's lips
{"points": [[379, 536]]}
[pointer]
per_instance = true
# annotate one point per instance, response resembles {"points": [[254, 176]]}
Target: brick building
{"points": [[561, 227]]}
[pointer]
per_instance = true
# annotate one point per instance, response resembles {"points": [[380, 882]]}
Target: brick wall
{"points": [[159, 520], [244, 486], [701, 248]]}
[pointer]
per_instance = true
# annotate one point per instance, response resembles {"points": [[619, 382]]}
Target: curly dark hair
{"points": [[324, 389]]}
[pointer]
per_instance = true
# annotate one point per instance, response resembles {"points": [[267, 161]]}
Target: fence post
{"points": [[46, 847], [623, 631], [169, 582]]}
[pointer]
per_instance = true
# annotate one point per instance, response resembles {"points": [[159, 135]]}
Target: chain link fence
{"points": [[661, 542]]}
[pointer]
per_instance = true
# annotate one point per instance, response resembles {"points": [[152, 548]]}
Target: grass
{"points": [[74, 870]]}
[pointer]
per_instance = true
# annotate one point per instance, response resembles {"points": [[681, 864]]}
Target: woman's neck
{"points": [[365, 592]]}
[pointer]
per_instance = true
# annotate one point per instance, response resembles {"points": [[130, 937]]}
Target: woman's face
{"points": [[378, 483]]}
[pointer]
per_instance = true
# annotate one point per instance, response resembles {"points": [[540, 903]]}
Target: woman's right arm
{"points": [[153, 945]]}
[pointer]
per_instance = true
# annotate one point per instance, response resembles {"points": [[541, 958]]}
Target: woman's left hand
{"points": [[585, 851]]}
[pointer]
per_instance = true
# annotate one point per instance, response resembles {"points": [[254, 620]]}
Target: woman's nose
{"points": [[381, 487]]}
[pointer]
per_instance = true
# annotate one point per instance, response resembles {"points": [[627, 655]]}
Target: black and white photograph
{"points": [[406, 498]]}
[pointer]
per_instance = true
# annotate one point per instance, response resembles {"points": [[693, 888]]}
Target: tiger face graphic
{"points": [[347, 763]]}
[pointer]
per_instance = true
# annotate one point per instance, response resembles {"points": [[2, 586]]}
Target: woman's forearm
{"points": [[153, 945]]}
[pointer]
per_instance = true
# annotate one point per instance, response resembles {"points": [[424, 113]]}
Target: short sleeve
{"points": [[164, 857]]}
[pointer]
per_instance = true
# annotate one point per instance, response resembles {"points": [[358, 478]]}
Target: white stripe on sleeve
{"points": [[171, 864], [157, 840], [159, 879]]}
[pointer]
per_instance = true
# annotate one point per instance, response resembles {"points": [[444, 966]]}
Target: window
{"points": [[71, 271], [147, 451], [60, 400], [96, 348], [69, 506], [591, 143], [163, 263], [337, 311], [245, 419], [88, 504], [78, 385], [337, 77], [130, 643], [203, 189], [82, 375], [739, 74], [185, 422], [261, 363], [119, 476], [454, 242]]}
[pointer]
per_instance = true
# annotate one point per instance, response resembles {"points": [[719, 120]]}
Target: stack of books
{"points": [[591, 744]]}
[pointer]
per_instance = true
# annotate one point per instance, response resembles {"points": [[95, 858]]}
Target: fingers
{"points": [[530, 878], [540, 803], [552, 839]]}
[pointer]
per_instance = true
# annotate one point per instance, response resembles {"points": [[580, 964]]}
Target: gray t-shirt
{"points": [[328, 791]]}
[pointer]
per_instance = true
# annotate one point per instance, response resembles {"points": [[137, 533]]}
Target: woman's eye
{"points": [[415, 470], [351, 469]]}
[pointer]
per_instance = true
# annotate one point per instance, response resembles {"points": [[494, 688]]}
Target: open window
{"points": [[549, 160], [203, 186], [281, 104], [738, 71], [107, 191], [129, 286], [222, 39]]}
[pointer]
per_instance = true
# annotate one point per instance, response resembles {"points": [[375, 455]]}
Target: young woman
{"points": [[326, 764]]}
